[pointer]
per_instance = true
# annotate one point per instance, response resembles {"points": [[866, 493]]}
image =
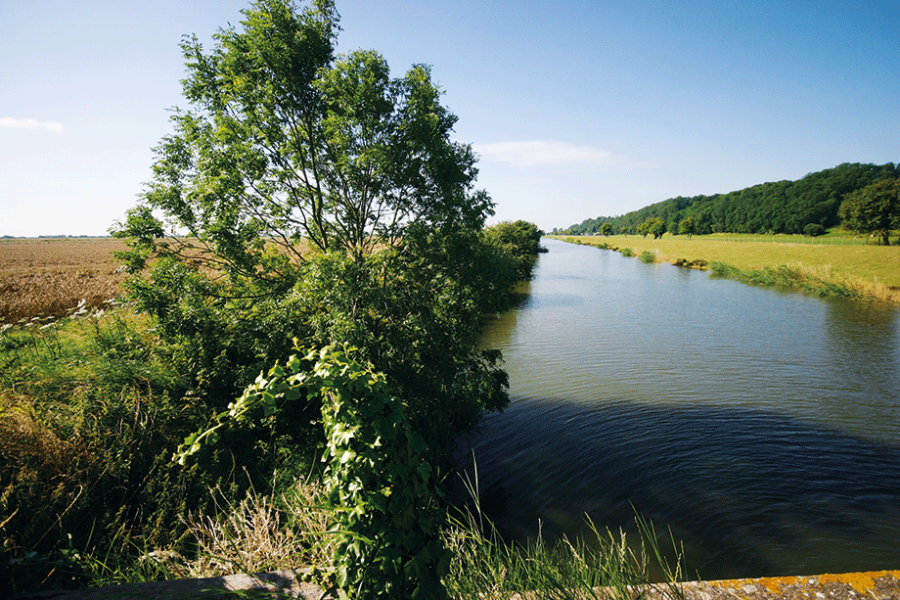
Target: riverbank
{"points": [[876, 585], [863, 271]]}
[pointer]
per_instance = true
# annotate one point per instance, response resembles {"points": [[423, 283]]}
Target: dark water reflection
{"points": [[760, 426]]}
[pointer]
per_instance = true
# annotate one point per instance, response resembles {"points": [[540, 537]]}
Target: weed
{"points": [[257, 534]]}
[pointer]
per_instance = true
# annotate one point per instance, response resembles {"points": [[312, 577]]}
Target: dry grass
{"points": [[873, 270], [258, 534], [39, 462], [49, 277]]}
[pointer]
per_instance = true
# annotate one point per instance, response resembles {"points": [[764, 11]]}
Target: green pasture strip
{"points": [[864, 263]]}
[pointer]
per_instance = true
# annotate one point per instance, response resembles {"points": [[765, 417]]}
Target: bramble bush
{"points": [[386, 520]]}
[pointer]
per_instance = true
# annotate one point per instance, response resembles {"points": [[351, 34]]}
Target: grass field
{"points": [[873, 269], [50, 277]]}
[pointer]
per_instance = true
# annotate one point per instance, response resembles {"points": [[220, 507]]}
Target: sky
{"points": [[576, 109]]}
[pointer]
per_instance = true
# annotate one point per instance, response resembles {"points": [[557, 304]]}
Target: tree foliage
{"points": [[653, 226], [687, 227], [874, 209], [286, 142], [313, 195], [519, 241], [776, 207]]}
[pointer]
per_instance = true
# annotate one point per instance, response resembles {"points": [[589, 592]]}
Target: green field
{"points": [[874, 269]]}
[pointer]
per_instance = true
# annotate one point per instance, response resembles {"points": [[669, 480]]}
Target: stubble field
{"points": [[50, 277]]}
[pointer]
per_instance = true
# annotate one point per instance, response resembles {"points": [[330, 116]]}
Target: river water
{"points": [[761, 426]]}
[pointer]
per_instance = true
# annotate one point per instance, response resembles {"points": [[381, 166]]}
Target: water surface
{"points": [[760, 425]]}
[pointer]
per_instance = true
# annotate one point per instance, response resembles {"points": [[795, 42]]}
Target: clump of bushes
{"points": [[698, 263], [813, 230], [520, 240]]}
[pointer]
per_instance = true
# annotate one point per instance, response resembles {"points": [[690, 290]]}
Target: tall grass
{"points": [[88, 416], [261, 533], [604, 566]]}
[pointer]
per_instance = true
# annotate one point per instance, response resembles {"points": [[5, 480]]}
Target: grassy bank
{"points": [[826, 269], [90, 414]]}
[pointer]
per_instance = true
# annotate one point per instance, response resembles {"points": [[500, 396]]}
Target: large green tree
{"points": [[520, 241], [687, 227], [654, 226], [307, 194], [874, 209], [285, 141]]}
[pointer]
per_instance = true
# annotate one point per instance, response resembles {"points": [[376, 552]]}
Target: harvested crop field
{"points": [[50, 277]]}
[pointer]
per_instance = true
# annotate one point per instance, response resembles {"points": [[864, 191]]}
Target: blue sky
{"points": [[577, 109]]}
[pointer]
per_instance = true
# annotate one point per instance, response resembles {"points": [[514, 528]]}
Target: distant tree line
{"points": [[809, 205]]}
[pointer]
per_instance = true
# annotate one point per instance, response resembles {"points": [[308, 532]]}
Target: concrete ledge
{"points": [[264, 585], [873, 585]]}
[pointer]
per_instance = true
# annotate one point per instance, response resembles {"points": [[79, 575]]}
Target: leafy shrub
{"points": [[627, 252], [813, 229], [386, 522], [520, 240], [647, 257]]}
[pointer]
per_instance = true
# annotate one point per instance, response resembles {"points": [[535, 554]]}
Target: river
{"points": [[761, 426]]}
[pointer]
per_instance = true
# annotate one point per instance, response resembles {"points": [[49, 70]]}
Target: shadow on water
{"points": [[749, 493]]}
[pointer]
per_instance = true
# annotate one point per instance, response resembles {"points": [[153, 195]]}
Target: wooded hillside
{"points": [[776, 207]]}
